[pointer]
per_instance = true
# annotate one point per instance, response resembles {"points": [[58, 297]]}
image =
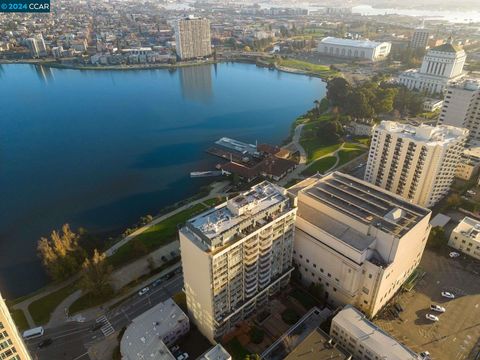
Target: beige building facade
{"points": [[12, 346], [466, 237], [366, 341], [416, 162], [236, 255], [358, 241], [461, 108], [192, 38]]}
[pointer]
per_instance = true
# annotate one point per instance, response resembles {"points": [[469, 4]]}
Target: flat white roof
{"points": [[231, 213], [143, 338], [350, 42], [216, 353], [430, 135], [469, 227], [364, 331]]}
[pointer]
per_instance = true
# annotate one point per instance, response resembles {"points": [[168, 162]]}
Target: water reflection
{"points": [[196, 82], [44, 73]]}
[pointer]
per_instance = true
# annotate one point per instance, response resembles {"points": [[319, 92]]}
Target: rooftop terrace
{"points": [[366, 203], [469, 227], [222, 218]]}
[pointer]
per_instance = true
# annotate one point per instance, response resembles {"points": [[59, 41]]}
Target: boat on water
{"points": [[195, 174]]}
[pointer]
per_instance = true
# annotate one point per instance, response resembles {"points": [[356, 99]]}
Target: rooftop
{"points": [[372, 336], [430, 135], [216, 353], [447, 47], [222, 218], [350, 42], [469, 227], [366, 203], [143, 337]]}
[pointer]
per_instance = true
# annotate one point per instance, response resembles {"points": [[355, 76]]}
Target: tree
{"points": [[316, 290], [61, 254], [437, 237], [338, 90], [96, 275], [454, 200]]}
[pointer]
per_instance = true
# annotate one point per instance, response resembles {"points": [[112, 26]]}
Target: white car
{"points": [[183, 356], [144, 291], [437, 308], [448, 295], [425, 355], [454, 254], [432, 317], [471, 192]]}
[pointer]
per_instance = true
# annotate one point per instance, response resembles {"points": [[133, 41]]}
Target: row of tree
{"points": [[371, 98], [62, 257]]}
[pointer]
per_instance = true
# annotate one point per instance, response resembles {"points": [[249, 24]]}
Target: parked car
{"points": [[144, 291], [174, 349], [44, 343], [471, 192], [454, 254], [183, 356], [398, 307], [157, 282], [437, 308], [432, 317], [425, 355], [447, 294]]}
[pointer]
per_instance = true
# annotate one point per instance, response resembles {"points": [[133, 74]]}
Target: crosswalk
{"points": [[107, 328]]}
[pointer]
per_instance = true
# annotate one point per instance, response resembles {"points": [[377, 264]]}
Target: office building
{"points": [[236, 255], [441, 66], [353, 331], [416, 162], [466, 237], [12, 346], [192, 38], [355, 49], [461, 108], [420, 39], [356, 240], [151, 333]]}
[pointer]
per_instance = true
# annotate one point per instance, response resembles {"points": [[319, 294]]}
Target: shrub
{"points": [[256, 335]]}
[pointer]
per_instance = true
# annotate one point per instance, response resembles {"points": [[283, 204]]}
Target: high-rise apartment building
{"points": [[356, 240], [415, 162], [11, 343], [420, 38], [440, 66], [236, 255], [192, 38], [461, 108], [37, 46]]}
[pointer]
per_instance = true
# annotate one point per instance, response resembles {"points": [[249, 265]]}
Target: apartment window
{"points": [[301, 256], [321, 270], [314, 265], [308, 260], [365, 302], [329, 275], [369, 276]]}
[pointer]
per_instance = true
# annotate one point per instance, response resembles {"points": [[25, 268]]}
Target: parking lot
{"points": [[456, 334]]}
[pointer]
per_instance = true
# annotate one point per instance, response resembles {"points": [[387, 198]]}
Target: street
{"points": [[72, 340]]}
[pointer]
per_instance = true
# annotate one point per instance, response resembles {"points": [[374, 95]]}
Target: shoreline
{"points": [[258, 61]]}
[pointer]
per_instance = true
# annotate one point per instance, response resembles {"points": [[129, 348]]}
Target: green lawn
{"points": [[19, 319], [87, 301], [155, 236], [320, 166], [214, 201], [348, 155], [236, 349], [41, 309], [315, 69]]}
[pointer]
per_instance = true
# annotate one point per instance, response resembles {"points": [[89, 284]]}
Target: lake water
{"points": [[99, 149]]}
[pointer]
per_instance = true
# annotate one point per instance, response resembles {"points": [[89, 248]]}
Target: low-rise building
{"points": [[150, 334], [469, 164], [432, 105], [353, 331], [361, 127], [354, 49], [217, 352], [466, 237]]}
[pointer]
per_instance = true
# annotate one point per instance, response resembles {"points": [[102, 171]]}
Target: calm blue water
{"points": [[99, 149]]}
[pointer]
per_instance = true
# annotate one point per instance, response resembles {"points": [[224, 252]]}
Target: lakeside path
{"points": [[23, 305]]}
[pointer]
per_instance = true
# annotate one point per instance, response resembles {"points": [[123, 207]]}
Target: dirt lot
{"points": [[455, 336]]}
